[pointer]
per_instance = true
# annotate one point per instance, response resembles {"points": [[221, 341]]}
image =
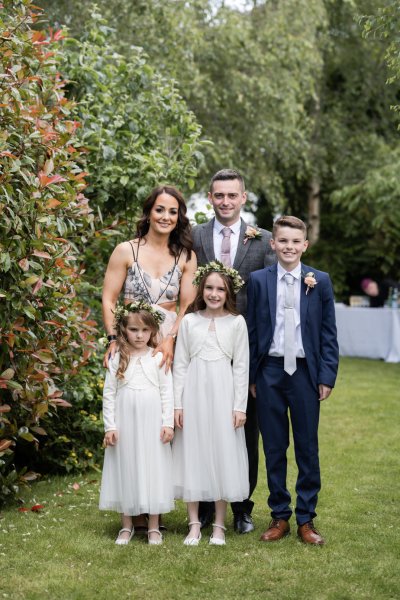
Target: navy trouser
{"points": [[279, 394]]}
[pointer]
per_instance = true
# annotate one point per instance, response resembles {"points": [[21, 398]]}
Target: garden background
{"points": [[99, 103]]}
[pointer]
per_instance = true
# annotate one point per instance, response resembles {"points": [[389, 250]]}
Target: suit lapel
{"points": [[271, 287], [304, 299], [241, 247], [207, 240]]}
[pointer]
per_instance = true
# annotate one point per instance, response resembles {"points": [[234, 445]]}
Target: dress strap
{"points": [[178, 258], [133, 251]]}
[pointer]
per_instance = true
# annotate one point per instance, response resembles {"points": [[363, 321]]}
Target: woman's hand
{"points": [[110, 352], [167, 434], [166, 347], [110, 438], [239, 419], [178, 418]]}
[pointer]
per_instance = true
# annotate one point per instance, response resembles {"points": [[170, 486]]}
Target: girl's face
{"points": [[137, 333], [214, 294], [164, 214]]}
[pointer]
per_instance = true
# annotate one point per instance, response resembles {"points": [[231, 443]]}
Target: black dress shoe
{"points": [[206, 519], [243, 523]]}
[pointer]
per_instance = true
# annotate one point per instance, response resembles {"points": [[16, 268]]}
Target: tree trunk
{"points": [[314, 212]]}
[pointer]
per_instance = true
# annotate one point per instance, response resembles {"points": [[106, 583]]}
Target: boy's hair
{"points": [[289, 221], [226, 175], [145, 318], [230, 302]]}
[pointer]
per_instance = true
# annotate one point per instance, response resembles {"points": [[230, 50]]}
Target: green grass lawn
{"points": [[67, 551]]}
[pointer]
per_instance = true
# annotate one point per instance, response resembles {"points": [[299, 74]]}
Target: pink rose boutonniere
{"points": [[310, 281], [251, 233]]}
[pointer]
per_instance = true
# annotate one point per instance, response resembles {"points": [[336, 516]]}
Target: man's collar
{"points": [[235, 227]]}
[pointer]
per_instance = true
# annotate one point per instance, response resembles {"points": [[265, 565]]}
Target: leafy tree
{"points": [[136, 127], [46, 333]]}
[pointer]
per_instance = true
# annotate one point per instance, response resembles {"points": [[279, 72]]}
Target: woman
{"points": [[157, 266]]}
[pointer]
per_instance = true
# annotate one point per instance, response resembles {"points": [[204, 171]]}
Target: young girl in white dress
{"points": [[138, 423], [211, 366]]}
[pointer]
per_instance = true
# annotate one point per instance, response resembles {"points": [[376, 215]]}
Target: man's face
{"points": [[227, 198]]}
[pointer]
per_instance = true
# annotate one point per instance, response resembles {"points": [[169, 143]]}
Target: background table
{"points": [[368, 332]]}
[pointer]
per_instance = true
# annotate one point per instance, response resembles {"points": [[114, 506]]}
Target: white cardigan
{"points": [[154, 374], [231, 332]]}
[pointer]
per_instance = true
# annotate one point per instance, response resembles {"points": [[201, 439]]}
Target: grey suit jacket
{"points": [[253, 255]]}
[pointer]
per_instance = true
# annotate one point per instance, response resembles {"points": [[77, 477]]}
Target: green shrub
{"points": [[46, 333]]}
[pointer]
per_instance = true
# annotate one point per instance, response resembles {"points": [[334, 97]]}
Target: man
{"points": [[229, 239]]}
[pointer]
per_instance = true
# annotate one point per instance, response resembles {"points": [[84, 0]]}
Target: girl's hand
{"points": [[167, 434], [110, 351], [110, 438], [239, 419], [178, 418], [166, 347]]}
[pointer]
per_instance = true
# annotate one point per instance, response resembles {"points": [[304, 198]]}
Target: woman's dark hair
{"points": [[181, 236], [230, 302]]}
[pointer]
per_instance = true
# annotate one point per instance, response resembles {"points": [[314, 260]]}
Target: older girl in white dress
{"points": [[138, 423], [211, 386]]}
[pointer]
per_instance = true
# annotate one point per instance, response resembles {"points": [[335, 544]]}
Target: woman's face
{"points": [[164, 214]]}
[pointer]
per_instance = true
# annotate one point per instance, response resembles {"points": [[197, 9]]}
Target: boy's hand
{"points": [[167, 434], [252, 388], [239, 419], [110, 438], [324, 391], [178, 418]]}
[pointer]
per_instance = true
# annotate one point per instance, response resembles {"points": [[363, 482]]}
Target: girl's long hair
{"points": [[230, 302], [145, 318], [180, 238]]}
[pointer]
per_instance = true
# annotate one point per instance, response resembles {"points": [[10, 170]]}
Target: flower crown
{"points": [[123, 310], [216, 266]]}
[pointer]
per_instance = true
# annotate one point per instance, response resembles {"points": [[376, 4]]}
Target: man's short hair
{"points": [[289, 221], [227, 175]]}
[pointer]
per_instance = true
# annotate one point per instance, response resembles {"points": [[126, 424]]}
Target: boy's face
{"points": [[289, 244]]}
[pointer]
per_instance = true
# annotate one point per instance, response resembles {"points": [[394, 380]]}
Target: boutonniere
{"points": [[310, 281], [251, 233]]}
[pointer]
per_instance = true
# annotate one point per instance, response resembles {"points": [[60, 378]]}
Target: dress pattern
{"points": [[139, 285]]}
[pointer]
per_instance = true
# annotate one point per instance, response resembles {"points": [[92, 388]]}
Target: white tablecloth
{"points": [[368, 332]]}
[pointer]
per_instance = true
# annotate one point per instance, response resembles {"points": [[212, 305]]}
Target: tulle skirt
{"points": [[209, 456], [137, 472]]}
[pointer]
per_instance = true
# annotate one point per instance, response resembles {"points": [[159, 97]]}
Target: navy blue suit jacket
{"points": [[317, 319]]}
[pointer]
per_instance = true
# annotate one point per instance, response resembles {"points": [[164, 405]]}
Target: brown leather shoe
{"points": [[277, 529], [309, 535]]}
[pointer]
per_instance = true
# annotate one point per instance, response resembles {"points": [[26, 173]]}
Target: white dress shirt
{"points": [[277, 346], [218, 237]]}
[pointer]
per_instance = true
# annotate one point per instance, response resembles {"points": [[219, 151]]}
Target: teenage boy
{"points": [[228, 238], [293, 366]]}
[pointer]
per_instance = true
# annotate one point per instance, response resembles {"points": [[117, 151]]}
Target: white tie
{"points": [[289, 362], [226, 247]]}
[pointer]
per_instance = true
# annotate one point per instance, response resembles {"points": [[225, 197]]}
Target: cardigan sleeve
{"points": [[110, 395], [166, 394], [181, 362], [240, 365]]}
